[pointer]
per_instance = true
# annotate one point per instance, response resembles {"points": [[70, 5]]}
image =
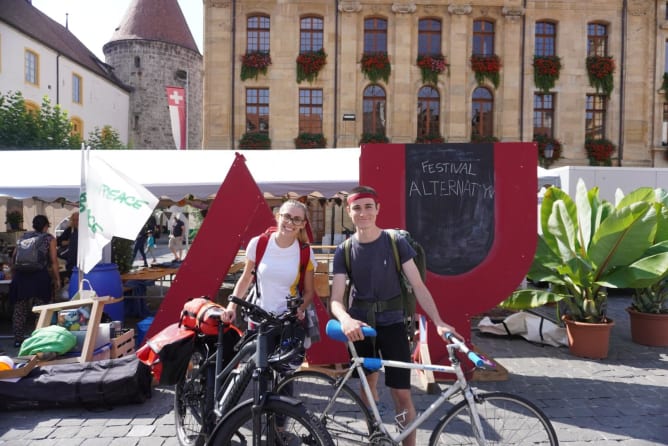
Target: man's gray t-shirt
{"points": [[374, 273]]}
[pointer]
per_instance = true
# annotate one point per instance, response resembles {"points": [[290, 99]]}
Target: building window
{"points": [[429, 112], [482, 118], [310, 110], [374, 110], [375, 36], [257, 34], [135, 123], [595, 116], [137, 62], [483, 38], [77, 127], [597, 39], [546, 35], [310, 34], [77, 89], [257, 110], [31, 67], [543, 115], [429, 37]]}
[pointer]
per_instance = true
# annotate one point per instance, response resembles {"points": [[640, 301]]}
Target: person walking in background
{"points": [[375, 279], [33, 284], [68, 243], [140, 244], [150, 245], [176, 238]]}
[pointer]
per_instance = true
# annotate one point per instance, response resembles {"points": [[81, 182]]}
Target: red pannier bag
{"points": [[168, 353]]}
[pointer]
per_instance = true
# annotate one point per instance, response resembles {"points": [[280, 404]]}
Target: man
{"points": [[176, 238], [374, 277]]}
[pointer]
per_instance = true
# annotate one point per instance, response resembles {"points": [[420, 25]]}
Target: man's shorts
{"points": [[175, 242], [392, 344]]}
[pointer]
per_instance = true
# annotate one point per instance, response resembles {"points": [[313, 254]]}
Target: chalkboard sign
{"points": [[450, 203]]}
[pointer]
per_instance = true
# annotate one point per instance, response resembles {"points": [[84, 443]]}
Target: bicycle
{"points": [[200, 394], [207, 391], [478, 418], [270, 418]]}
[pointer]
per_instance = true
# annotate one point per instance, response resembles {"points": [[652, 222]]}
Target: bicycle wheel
{"points": [[506, 419], [347, 420], [193, 401], [297, 425]]}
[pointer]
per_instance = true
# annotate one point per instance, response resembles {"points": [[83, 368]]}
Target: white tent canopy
{"points": [[173, 174]]}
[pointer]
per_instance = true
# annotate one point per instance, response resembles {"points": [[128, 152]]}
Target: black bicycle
{"points": [[270, 418]]}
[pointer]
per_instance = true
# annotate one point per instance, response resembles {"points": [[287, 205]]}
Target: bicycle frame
{"points": [[461, 385]]}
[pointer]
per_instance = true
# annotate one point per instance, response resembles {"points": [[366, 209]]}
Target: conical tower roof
{"points": [[160, 20]]}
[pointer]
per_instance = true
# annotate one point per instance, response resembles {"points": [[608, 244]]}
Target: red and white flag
{"points": [[177, 114]]}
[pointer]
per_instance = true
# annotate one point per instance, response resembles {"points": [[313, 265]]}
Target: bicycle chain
{"points": [[380, 439]]}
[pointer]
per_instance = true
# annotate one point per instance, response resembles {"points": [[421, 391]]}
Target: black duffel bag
{"points": [[97, 384]]}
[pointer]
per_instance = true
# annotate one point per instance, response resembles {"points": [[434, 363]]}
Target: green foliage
{"points": [[106, 138], [121, 253], [546, 72], [310, 141], [46, 128], [600, 70], [255, 140], [376, 66], [374, 138], [588, 245]]}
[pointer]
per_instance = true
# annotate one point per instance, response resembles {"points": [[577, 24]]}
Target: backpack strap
{"points": [[395, 250]]}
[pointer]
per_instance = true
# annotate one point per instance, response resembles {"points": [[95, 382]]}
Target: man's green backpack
{"points": [[408, 299]]}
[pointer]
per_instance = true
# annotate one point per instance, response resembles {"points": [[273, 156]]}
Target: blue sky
{"points": [[94, 21]]}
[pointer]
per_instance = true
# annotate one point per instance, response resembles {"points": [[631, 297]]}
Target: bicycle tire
{"points": [[348, 420], [193, 401], [238, 387], [298, 427], [506, 419]]}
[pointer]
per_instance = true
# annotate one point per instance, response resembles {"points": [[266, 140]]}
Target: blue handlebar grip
{"points": [[477, 360]]}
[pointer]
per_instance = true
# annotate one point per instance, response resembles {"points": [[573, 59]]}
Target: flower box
{"points": [[431, 66], [376, 66], [309, 65], [600, 70], [486, 67], [599, 151], [253, 64], [546, 72]]}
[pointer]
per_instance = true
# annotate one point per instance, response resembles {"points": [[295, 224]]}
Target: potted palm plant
{"points": [[588, 245], [648, 315]]}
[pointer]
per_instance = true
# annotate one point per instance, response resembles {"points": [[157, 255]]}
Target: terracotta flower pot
{"points": [[649, 328], [588, 340]]}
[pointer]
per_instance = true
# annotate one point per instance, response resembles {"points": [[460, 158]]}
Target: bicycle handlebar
{"points": [[260, 315], [475, 358]]}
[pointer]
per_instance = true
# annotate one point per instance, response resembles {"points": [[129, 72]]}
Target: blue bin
{"points": [[142, 329], [106, 281]]}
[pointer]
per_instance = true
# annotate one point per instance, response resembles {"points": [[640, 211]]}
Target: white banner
{"points": [[111, 204]]}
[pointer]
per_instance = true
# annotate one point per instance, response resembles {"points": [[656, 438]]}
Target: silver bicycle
{"points": [[474, 418]]}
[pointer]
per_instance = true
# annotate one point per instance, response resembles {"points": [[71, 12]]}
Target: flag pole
{"points": [[82, 194]]}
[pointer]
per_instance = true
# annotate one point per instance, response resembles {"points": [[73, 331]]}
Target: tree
{"points": [[107, 138], [46, 128]]}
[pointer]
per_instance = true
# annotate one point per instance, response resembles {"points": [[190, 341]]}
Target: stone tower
{"points": [[151, 49]]}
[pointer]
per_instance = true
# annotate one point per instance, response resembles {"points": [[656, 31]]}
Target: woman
{"points": [[278, 273], [29, 288]]}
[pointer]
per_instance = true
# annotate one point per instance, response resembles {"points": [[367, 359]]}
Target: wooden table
{"points": [[151, 274]]}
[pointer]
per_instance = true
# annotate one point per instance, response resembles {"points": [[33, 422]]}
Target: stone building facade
{"points": [[152, 49], [348, 107]]}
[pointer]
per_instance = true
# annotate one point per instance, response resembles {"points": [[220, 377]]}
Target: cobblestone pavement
{"points": [[622, 400]]}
